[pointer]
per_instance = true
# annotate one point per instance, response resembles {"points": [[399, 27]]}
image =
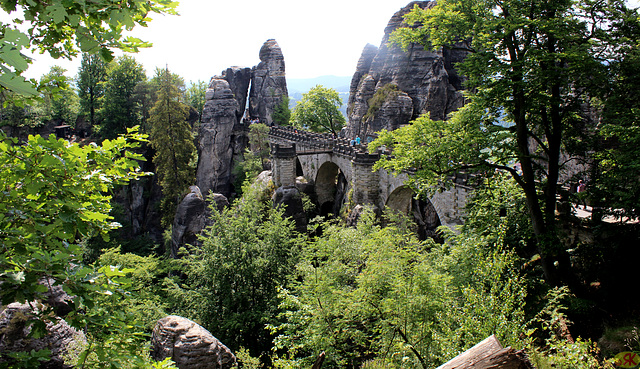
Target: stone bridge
{"points": [[331, 163]]}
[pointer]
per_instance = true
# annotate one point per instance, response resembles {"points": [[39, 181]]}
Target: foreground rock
{"points": [[14, 333], [189, 345]]}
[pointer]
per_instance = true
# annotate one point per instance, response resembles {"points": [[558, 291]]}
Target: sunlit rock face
{"points": [[189, 345], [391, 86], [216, 138], [268, 83]]}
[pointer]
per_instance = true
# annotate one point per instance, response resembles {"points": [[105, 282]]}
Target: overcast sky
{"points": [[317, 38]]}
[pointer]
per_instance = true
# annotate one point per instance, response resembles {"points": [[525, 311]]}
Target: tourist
{"points": [[582, 198], [357, 140]]}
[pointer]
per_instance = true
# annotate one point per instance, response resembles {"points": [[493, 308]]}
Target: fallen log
{"points": [[489, 354]]}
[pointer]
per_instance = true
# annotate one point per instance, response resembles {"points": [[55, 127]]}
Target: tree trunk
{"points": [[489, 354]]}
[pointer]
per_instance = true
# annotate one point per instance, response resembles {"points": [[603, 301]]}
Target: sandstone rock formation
{"points": [[192, 216], [268, 83], [217, 140], [189, 345], [14, 335], [239, 79], [405, 84], [291, 199]]}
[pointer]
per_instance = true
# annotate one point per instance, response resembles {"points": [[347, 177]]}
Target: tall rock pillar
{"points": [[216, 139], [268, 83]]}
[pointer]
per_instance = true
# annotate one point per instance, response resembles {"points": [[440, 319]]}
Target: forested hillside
{"points": [[103, 231]]}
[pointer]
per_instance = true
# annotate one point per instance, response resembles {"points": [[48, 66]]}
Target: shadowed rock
{"points": [[14, 332], [192, 216]]}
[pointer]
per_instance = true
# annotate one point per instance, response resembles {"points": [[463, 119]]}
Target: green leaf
{"points": [[12, 56], [17, 84]]}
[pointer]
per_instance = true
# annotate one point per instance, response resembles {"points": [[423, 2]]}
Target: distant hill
{"points": [[299, 86], [302, 85]]}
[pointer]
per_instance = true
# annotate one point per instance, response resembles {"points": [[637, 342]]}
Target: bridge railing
{"points": [[319, 141]]}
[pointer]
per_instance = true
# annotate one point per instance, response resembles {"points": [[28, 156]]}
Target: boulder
{"points": [[189, 345], [14, 335], [290, 198], [425, 79], [192, 216], [268, 83]]}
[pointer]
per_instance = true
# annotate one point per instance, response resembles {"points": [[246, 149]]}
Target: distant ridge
{"points": [[302, 85]]}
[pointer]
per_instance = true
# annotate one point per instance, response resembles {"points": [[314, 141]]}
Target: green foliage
{"points": [[119, 109], [615, 183], [55, 193], [60, 100], [282, 114], [173, 142], [559, 352], [195, 96], [90, 84], [378, 293], [64, 28], [318, 111], [247, 254], [146, 302], [530, 69], [15, 111], [387, 92]]}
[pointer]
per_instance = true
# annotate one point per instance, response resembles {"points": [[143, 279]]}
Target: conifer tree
{"points": [[172, 139]]}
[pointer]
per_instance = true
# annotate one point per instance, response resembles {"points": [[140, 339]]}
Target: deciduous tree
{"points": [[90, 83], [530, 68], [64, 28], [195, 96], [119, 108], [318, 111]]}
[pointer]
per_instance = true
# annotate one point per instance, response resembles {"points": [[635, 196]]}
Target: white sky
{"points": [[316, 37]]}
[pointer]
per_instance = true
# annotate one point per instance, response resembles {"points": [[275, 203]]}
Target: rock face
{"points": [[238, 79], [223, 135], [290, 198], [14, 331], [192, 216], [268, 83], [189, 345], [405, 84], [217, 139]]}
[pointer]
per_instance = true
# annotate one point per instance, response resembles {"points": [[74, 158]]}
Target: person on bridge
{"points": [[357, 140], [582, 199]]}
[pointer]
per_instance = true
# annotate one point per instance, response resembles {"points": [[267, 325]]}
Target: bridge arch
{"points": [[403, 199], [331, 185]]}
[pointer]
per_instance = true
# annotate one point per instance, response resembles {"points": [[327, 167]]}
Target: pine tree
{"points": [[172, 139]]}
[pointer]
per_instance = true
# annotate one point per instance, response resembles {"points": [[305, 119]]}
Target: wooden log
{"points": [[489, 354], [319, 361]]}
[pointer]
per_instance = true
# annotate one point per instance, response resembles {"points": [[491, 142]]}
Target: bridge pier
{"points": [[284, 164], [365, 183]]}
